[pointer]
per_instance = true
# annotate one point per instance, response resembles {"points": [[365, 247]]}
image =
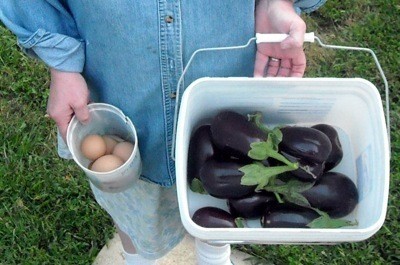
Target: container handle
{"points": [[279, 37], [181, 79], [272, 38], [378, 65]]}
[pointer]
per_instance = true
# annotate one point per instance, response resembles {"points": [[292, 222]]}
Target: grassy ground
{"points": [[47, 212]]}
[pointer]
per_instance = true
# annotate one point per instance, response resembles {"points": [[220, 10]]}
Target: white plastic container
{"points": [[106, 119], [352, 106]]}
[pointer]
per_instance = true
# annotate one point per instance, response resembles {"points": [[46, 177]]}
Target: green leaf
{"points": [[263, 150], [291, 191], [322, 213], [257, 174], [296, 198], [325, 221], [274, 136], [197, 186], [259, 150], [254, 174], [295, 185], [290, 186]]}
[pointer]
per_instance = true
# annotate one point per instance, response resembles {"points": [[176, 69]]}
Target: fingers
{"points": [[298, 65], [267, 66], [285, 68], [259, 64], [82, 113], [272, 67], [62, 117], [69, 95], [62, 126], [294, 42]]}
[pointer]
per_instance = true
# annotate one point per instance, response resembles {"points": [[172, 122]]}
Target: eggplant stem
{"points": [[306, 168], [283, 159], [278, 197]]}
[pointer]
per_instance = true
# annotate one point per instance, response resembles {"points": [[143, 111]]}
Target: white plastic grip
{"points": [[279, 37]]}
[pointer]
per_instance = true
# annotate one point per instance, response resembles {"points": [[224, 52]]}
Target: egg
{"points": [[110, 143], [107, 163], [123, 150], [93, 146]]}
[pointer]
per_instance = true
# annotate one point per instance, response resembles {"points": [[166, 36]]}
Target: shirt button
{"points": [[169, 19]]}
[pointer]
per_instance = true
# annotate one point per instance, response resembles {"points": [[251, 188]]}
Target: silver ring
{"points": [[274, 59]]}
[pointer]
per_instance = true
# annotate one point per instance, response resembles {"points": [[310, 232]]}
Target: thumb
{"points": [[296, 35], [82, 113]]}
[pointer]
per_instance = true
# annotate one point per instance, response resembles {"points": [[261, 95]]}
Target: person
{"points": [[131, 54]]}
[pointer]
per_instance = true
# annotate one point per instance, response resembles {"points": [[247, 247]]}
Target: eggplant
{"points": [[287, 215], [201, 148], [212, 217], [334, 193], [221, 179], [336, 154], [233, 133], [252, 206], [305, 143], [307, 171]]}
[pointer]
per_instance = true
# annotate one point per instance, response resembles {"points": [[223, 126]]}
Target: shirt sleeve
{"points": [[45, 30], [307, 6]]}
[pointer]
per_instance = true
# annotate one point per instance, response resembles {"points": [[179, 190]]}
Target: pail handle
{"points": [[271, 38], [378, 65]]}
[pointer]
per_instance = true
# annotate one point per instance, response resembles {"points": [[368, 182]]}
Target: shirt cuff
{"points": [[308, 6], [58, 51], [62, 148]]}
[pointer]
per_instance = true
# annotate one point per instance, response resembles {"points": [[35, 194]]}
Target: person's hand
{"points": [[69, 95], [280, 59]]}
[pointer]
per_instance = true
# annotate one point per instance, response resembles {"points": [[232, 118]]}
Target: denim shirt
{"points": [[132, 54]]}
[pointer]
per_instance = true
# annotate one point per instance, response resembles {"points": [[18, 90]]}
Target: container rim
{"points": [[102, 107], [226, 234]]}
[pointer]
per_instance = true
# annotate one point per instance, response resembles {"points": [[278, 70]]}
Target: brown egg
{"points": [[110, 143], [123, 150], [93, 146], [107, 163]]}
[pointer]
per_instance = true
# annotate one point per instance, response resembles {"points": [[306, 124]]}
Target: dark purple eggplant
{"points": [[336, 154], [252, 206], [285, 215], [212, 217], [201, 148], [334, 193], [221, 179], [305, 143], [233, 133], [307, 171]]}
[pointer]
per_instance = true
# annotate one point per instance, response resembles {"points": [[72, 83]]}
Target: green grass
{"points": [[375, 25], [47, 212]]}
